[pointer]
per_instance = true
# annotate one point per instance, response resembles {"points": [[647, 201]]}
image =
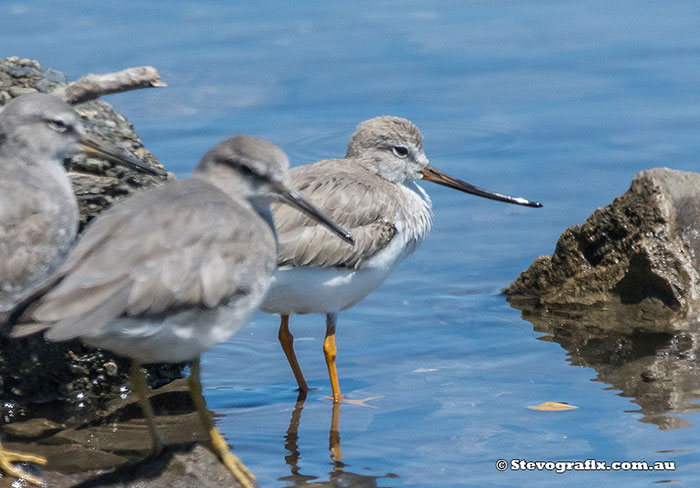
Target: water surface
{"points": [[557, 101]]}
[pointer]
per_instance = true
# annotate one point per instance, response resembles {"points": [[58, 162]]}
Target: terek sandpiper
{"points": [[373, 193]]}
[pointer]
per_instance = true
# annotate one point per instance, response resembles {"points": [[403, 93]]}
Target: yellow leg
{"points": [[218, 443], [9, 457], [140, 386], [287, 342], [334, 437], [330, 351]]}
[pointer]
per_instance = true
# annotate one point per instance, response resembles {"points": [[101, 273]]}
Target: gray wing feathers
{"points": [[73, 326], [140, 258], [365, 208]]}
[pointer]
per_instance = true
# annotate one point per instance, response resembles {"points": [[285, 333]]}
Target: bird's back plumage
{"points": [[371, 208], [185, 245]]}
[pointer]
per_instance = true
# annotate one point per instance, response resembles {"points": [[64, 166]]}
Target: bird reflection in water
{"points": [[339, 476]]}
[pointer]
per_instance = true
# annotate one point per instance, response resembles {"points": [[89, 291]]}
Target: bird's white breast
{"points": [[322, 290]]}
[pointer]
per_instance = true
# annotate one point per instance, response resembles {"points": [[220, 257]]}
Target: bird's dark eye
{"points": [[399, 151], [57, 125], [247, 170]]}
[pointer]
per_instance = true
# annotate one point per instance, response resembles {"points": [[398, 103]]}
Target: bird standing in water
{"points": [[372, 192], [38, 210], [171, 271]]}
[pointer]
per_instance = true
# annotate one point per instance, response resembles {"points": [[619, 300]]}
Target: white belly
{"points": [[179, 337], [320, 290], [323, 290]]}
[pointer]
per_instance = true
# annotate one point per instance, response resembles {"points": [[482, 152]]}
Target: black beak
{"points": [[437, 176], [102, 150]]}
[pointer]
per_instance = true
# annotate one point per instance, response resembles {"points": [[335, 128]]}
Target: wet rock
{"points": [[633, 265], [60, 381], [183, 465], [114, 451], [620, 294], [32, 429]]}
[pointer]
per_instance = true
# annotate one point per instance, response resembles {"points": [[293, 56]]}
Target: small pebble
{"points": [[94, 165], [111, 368]]}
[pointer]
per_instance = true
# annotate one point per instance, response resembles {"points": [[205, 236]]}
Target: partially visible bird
{"points": [[372, 192], [171, 271], [38, 210]]}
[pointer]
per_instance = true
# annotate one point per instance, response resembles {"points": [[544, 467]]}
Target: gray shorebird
{"points": [[372, 192], [38, 210], [171, 271]]}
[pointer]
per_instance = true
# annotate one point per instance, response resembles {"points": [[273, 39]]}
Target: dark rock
{"points": [[633, 265], [60, 381], [621, 295], [178, 466], [114, 451]]}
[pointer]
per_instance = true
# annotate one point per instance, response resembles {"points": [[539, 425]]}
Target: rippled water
{"points": [[559, 101]]}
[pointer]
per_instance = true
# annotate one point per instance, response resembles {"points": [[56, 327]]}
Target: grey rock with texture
{"points": [[633, 265], [621, 295]]}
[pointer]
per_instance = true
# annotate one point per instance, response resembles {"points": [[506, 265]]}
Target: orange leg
{"points": [[330, 351], [287, 342]]}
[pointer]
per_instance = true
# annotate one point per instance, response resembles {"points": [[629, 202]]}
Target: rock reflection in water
{"points": [[660, 371], [113, 449], [339, 477]]}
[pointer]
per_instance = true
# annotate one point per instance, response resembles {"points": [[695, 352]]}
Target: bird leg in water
{"points": [[287, 342], [330, 351], [218, 443], [9, 457], [140, 386]]}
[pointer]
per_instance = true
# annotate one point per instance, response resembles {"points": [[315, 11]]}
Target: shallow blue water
{"points": [[558, 101]]}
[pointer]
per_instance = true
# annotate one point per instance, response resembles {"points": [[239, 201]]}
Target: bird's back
{"points": [[373, 209], [179, 249]]}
